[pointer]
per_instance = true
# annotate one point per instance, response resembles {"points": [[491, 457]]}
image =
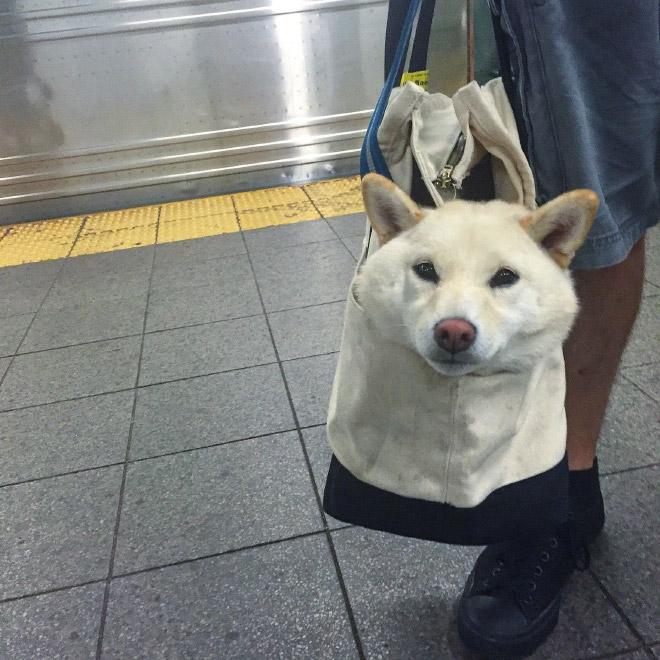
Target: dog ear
{"points": [[560, 226], [389, 209]]}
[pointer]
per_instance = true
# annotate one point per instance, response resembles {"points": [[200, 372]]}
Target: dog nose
{"points": [[454, 335]]}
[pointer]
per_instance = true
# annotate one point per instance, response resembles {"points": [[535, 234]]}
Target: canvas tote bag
{"points": [[465, 460]]}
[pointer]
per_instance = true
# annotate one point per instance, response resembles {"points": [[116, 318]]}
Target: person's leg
{"points": [[551, 53], [609, 301], [511, 600]]}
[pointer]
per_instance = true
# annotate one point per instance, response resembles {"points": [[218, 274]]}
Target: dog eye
{"points": [[426, 271], [503, 277]]}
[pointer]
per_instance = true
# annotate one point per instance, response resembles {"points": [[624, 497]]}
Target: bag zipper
{"points": [[444, 179]]}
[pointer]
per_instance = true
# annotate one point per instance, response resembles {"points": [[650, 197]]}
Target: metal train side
{"points": [[114, 103]]}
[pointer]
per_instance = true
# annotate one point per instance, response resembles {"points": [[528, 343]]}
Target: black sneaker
{"points": [[511, 600]]}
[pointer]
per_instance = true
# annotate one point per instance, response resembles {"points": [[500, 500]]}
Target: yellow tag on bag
{"points": [[420, 78]]}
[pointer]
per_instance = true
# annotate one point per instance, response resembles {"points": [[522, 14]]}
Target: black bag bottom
{"points": [[521, 508]]}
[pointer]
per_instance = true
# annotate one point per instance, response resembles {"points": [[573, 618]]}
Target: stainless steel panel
{"points": [[448, 46], [115, 103]]}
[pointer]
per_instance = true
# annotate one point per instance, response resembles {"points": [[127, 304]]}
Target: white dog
{"points": [[472, 287], [450, 382]]}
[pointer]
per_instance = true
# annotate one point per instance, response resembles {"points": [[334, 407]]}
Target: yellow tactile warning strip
{"points": [[275, 206], [106, 232], [197, 218], [183, 229], [336, 197], [179, 221], [38, 241]]}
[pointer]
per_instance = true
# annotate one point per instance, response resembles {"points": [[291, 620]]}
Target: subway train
{"points": [[116, 104]]}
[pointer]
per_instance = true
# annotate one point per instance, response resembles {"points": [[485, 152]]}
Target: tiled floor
{"points": [[162, 453]]}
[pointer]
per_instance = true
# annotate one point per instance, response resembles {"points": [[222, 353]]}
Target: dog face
{"points": [[472, 287]]}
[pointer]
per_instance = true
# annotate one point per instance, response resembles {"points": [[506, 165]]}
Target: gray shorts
{"points": [[586, 75]]}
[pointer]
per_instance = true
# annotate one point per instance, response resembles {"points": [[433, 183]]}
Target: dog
{"points": [[472, 287], [446, 418]]}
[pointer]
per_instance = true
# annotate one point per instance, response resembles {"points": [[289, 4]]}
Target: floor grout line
{"points": [[180, 562], [619, 610], [634, 468], [639, 388], [53, 590], [340, 578], [13, 357], [122, 487], [75, 240], [169, 329], [223, 553], [82, 343], [165, 382], [617, 655], [142, 459], [341, 240], [140, 387]]}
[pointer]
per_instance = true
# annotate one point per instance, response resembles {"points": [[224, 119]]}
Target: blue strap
{"points": [[371, 157]]}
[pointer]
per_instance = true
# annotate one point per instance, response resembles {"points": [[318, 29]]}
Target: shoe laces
{"points": [[527, 568]]}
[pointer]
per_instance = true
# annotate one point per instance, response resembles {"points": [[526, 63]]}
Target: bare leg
{"points": [[609, 299]]}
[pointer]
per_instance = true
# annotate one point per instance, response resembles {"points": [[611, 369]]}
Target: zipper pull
{"points": [[444, 179]]}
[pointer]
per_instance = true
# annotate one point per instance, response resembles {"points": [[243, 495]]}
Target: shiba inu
{"points": [[447, 417], [472, 287]]}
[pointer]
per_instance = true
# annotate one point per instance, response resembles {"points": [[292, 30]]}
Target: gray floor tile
{"points": [[647, 378], [209, 410], [267, 239], [625, 557], [631, 423], [212, 500], [644, 344], [639, 654], [64, 624], [104, 264], [41, 272], [304, 275], [403, 592], [205, 349], [650, 289], [199, 249], [307, 331], [93, 321], [114, 287], [652, 273], [12, 330], [653, 237], [4, 363], [588, 624], [223, 273], [352, 224], [354, 245], [57, 532], [66, 373], [310, 383], [303, 259], [203, 304], [279, 602], [63, 437], [21, 300], [319, 453], [634, 655]]}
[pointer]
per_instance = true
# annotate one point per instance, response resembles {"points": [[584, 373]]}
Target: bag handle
{"points": [[371, 157]]}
